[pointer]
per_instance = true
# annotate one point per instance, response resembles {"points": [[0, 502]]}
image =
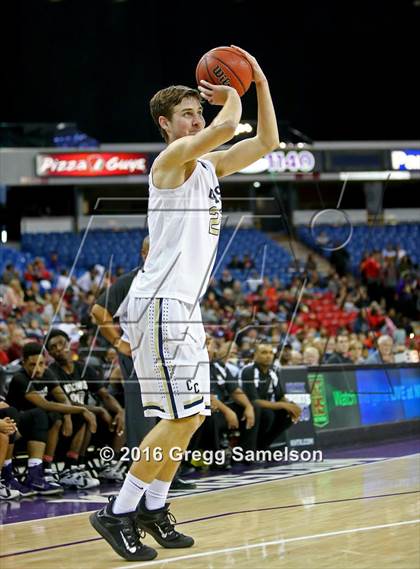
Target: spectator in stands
{"points": [[261, 383], [40, 272], [228, 354], [70, 327], [361, 324], [334, 284], [310, 264], [55, 310], [375, 317], [320, 344], [356, 352], [311, 356], [17, 340], [284, 355], [340, 354], [400, 251], [238, 295], [63, 280], [226, 280], [4, 345], [384, 353], [248, 262], [10, 273], [295, 266], [29, 274], [390, 279], [31, 313], [53, 262], [90, 278], [340, 260], [236, 263], [408, 300], [34, 331], [370, 269], [296, 358], [400, 339], [33, 293], [14, 296], [85, 307], [389, 252], [361, 299], [248, 336]]}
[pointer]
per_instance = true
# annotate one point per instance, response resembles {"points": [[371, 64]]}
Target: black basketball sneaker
{"points": [[122, 533], [160, 525]]}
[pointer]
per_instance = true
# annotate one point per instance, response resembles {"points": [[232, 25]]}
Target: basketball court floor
{"points": [[344, 512]]}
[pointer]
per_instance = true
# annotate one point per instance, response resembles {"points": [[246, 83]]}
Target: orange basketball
{"points": [[225, 66]]}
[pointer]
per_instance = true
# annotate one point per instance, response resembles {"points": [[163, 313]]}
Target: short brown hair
{"points": [[164, 101]]}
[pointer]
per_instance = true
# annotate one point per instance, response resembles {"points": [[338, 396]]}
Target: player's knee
{"points": [[189, 424]]}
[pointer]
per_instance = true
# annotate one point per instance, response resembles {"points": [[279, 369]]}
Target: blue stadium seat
{"points": [[121, 248]]}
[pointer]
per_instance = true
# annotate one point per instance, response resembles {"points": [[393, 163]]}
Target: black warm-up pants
{"points": [[272, 424], [32, 424], [209, 435]]}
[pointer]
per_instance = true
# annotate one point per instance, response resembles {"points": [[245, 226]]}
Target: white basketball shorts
{"points": [[168, 345]]}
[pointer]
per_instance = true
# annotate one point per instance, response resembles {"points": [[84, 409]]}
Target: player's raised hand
{"points": [[258, 73], [215, 94]]}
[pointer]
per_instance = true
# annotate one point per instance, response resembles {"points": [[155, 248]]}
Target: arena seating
{"points": [[367, 238], [324, 311], [18, 258], [270, 259]]}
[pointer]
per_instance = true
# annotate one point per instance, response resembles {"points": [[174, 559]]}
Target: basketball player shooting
{"points": [[166, 333]]}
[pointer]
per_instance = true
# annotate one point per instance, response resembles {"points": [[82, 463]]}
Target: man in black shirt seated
{"points": [[231, 408], [84, 388], [30, 391], [261, 384], [38, 420]]}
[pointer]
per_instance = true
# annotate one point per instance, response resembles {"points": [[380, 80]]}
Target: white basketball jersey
{"points": [[184, 227]]}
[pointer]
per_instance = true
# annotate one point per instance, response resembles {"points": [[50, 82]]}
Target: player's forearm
{"points": [[111, 404], [240, 398], [51, 406], [266, 404], [230, 112], [218, 404], [267, 131], [104, 320]]}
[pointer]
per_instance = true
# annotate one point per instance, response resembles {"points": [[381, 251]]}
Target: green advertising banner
{"points": [[334, 399]]}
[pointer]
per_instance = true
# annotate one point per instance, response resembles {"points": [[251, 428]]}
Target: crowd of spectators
{"points": [[385, 300], [257, 323]]}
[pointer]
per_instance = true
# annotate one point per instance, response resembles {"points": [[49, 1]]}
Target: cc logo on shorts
{"points": [[192, 386]]}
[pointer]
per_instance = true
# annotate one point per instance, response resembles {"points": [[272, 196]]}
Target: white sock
{"points": [[34, 462], [7, 462], [156, 494], [130, 494]]}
